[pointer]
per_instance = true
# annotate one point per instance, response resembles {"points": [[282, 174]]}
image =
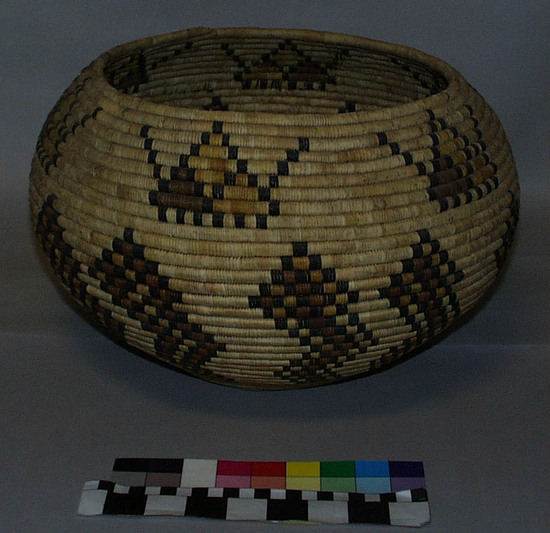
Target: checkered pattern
{"points": [[404, 508], [156, 487]]}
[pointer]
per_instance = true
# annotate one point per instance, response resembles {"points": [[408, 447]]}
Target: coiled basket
{"points": [[273, 208]]}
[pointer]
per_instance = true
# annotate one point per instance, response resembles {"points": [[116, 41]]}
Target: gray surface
{"points": [[476, 413]]}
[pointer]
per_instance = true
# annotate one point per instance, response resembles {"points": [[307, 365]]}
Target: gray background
{"points": [[474, 408]]}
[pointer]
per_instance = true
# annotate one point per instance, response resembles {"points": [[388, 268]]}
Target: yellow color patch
{"points": [[303, 483], [303, 469]]}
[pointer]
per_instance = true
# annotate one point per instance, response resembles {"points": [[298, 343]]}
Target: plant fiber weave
{"points": [[273, 209]]}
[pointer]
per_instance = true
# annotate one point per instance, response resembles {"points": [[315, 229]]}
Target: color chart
{"points": [[333, 476], [337, 492]]}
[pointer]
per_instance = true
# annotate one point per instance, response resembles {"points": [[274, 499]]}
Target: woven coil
{"points": [[273, 208]]}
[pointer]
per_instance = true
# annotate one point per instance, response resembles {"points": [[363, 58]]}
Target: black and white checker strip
{"points": [[403, 508]]}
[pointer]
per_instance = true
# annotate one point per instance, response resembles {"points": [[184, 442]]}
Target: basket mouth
{"points": [[292, 73]]}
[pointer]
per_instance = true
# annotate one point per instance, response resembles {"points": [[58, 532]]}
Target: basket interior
{"points": [[270, 74]]}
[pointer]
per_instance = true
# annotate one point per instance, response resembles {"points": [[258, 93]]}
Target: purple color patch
{"points": [[407, 483], [406, 469]]}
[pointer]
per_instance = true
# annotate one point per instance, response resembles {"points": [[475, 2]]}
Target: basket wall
{"points": [[273, 208]]}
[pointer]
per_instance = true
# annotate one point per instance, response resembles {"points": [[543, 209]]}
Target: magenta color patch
{"points": [[235, 468], [242, 482]]}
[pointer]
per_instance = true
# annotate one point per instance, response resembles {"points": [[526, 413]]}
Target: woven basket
{"points": [[273, 208]]}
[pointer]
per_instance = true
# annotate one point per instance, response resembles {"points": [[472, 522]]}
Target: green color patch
{"points": [[338, 469], [338, 484]]}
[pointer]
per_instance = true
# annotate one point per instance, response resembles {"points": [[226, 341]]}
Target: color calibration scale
{"points": [[383, 492], [338, 476]]}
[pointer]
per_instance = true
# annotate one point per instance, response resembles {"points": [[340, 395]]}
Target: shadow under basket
{"points": [[273, 209]]}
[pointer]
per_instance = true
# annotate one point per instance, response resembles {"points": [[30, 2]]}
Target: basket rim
{"points": [[130, 101]]}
